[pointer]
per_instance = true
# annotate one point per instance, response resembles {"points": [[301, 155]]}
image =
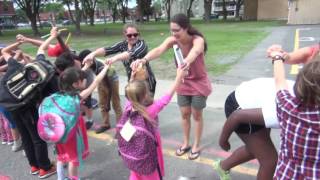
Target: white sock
{"points": [[60, 171]]}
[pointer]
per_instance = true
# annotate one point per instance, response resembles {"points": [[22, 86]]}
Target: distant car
{"points": [[213, 16], [8, 25], [23, 25], [67, 22], [45, 24]]}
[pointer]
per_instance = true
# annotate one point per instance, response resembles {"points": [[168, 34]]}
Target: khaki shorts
{"points": [[197, 102]]}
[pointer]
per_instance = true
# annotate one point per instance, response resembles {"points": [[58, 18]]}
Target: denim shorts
{"points": [[232, 105], [197, 102], [7, 114]]}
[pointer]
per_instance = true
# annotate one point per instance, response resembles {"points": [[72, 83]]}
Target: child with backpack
{"points": [[5, 131], [72, 146], [299, 121], [138, 134]]}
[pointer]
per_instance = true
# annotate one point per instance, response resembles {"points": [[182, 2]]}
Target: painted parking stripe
{"points": [[3, 177], [295, 67], [169, 152]]}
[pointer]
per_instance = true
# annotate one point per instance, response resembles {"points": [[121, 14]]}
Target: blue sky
{"points": [[132, 3]]}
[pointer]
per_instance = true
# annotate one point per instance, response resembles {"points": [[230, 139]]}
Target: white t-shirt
{"points": [[261, 93]]}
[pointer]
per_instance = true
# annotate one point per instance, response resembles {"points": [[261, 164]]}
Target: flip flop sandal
{"points": [[181, 151], [193, 155]]}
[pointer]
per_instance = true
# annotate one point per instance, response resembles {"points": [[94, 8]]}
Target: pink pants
{"points": [[5, 130], [136, 176]]}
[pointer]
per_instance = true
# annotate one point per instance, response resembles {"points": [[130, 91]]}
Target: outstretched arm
{"points": [[279, 71], [45, 44], [24, 39], [245, 116], [154, 53], [196, 50], [85, 93], [7, 51], [302, 55]]}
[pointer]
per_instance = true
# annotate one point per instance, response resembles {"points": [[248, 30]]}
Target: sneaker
{"points": [[17, 145], [89, 124], [34, 170], [10, 143], [94, 103], [102, 129], [224, 175], [24, 153], [44, 174], [4, 142]]}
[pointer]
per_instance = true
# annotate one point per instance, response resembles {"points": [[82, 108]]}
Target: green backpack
{"points": [[58, 115]]}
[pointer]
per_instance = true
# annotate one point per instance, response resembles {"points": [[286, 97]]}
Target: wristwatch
{"points": [[277, 58]]}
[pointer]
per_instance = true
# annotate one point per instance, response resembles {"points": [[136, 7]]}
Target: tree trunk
{"points": [[168, 8], [224, 10], [189, 11], [78, 17], [33, 19], [104, 16], [238, 6], [91, 17], [207, 9]]}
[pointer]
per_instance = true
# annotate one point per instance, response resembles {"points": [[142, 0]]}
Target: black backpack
{"points": [[22, 83]]}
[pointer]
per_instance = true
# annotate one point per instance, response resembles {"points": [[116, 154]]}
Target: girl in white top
{"points": [[250, 110]]}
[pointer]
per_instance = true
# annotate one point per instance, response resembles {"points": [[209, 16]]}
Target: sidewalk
{"points": [[215, 100]]}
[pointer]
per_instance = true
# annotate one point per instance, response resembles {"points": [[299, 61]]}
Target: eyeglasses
{"points": [[132, 35], [175, 30]]}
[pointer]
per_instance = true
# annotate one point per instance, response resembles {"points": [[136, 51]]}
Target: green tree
{"points": [[21, 15], [54, 8], [31, 9], [156, 6], [102, 6], [89, 7], [239, 3], [167, 5], [144, 8], [123, 9], [77, 13]]}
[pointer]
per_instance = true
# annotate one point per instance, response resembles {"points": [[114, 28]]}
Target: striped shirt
{"points": [[299, 156], [138, 51]]}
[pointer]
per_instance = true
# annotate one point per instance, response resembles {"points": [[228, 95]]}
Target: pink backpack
{"points": [[140, 153]]}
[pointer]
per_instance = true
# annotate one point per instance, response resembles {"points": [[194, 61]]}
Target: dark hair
{"points": [[307, 86], [130, 25], [83, 54], [68, 77], [183, 21], [64, 61]]}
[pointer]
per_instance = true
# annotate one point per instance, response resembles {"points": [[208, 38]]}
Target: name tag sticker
{"points": [[127, 131]]}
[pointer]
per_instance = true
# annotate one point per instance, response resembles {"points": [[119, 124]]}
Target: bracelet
{"points": [[277, 58]]}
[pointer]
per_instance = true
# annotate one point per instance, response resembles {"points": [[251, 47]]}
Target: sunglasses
{"points": [[132, 35]]}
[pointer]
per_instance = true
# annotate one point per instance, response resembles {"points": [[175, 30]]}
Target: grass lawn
{"points": [[227, 41]]}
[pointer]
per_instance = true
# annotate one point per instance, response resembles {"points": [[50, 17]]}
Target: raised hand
{"points": [[21, 38]]}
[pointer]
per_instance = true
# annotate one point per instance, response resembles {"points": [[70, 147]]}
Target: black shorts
{"points": [[232, 105], [87, 102]]}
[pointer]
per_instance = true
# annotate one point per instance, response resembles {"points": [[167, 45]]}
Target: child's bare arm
{"points": [[24, 39], [6, 51], [85, 93]]}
